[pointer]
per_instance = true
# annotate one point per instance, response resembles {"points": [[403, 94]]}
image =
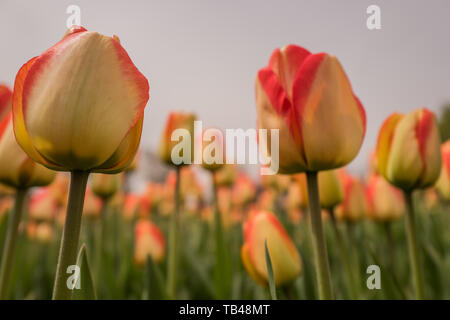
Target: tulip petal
{"points": [[330, 118], [125, 153], [384, 141], [429, 147], [405, 164], [275, 112], [285, 64], [22, 136], [80, 98]]}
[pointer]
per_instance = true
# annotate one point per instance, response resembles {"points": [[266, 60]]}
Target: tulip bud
{"points": [[443, 183], [212, 153], [148, 240], [330, 188], [408, 150], [43, 205], [264, 226], [17, 170], [80, 105], [386, 203], [310, 100], [136, 205], [105, 185], [354, 206], [170, 144]]}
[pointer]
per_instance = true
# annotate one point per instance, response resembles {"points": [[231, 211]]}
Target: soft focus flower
{"points": [[279, 182], [177, 120], [225, 176], [266, 200], [330, 188], [408, 150], [295, 199], [136, 205], [43, 205], [17, 170], [148, 240], [6, 204], [105, 185], [244, 190], [80, 104], [60, 188], [309, 99], [443, 183], [286, 263], [212, 153], [354, 206], [92, 208], [386, 203], [40, 231], [154, 192]]}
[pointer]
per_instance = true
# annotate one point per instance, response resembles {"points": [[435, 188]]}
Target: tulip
{"points": [[79, 107], [244, 190], [105, 185], [136, 206], [408, 150], [386, 203], [20, 172], [264, 226], [42, 232], [330, 188], [408, 157], [354, 206], [321, 124], [169, 145], [148, 240], [278, 182], [176, 153], [212, 153], [443, 183], [92, 207]]}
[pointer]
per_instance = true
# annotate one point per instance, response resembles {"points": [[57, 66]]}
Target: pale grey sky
{"points": [[203, 55]]}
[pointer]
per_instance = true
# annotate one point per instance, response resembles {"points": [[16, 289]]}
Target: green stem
{"points": [[413, 247], [173, 242], [71, 234], [344, 256], [9, 248], [319, 245]]}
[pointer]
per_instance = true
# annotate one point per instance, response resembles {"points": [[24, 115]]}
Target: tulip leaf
{"points": [[154, 282], [86, 291], [272, 288]]}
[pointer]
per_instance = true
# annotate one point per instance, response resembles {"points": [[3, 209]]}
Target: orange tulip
{"points": [[244, 190], [264, 226], [92, 208], [310, 100], [148, 240], [80, 104], [408, 150], [16, 168], [354, 206], [386, 203], [105, 185], [212, 153], [443, 183], [167, 146]]}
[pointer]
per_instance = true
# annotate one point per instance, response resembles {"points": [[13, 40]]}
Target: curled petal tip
{"points": [[74, 29]]}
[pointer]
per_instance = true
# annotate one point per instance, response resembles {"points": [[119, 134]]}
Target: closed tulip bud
{"points": [[177, 120], [263, 226], [443, 183], [354, 206], [148, 240], [105, 185], [79, 106], [408, 150], [43, 205], [330, 188], [308, 97], [17, 170], [136, 205], [386, 203], [212, 153]]}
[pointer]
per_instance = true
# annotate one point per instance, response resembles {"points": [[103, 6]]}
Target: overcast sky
{"points": [[203, 55]]}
